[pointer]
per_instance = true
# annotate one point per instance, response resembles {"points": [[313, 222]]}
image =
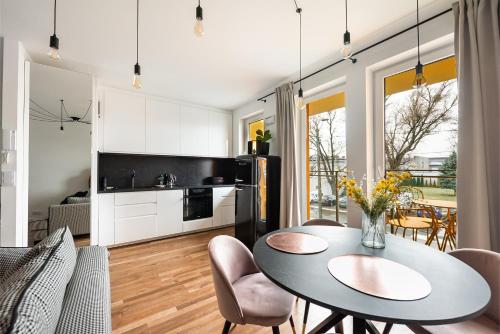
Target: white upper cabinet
{"points": [[220, 125], [124, 122], [135, 123], [194, 131], [162, 127]]}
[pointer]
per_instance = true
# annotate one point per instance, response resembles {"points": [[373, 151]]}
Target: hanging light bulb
{"points": [[419, 80], [198, 25], [136, 81], [300, 100], [54, 41], [346, 50]]}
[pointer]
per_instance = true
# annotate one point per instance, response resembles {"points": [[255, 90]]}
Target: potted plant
{"points": [[382, 197], [263, 138]]}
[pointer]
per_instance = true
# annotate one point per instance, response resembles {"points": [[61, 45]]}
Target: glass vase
{"points": [[373, 231]]}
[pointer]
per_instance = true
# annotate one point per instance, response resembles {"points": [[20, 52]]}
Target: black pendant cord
{"points": [[345, 15], [299, 11], [263, 98], [55, 20], [137, 34], [418, 35], [62, 128]]}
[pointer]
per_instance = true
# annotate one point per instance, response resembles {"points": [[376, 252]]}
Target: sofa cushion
{"points": [[9, 256], [78, 200], [32, 296], [87, 302], [68, 250]]}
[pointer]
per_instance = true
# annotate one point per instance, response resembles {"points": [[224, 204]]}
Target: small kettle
{"points": [[171, 180]]}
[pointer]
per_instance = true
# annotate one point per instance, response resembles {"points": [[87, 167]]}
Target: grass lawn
{"points": [[438, 193]]}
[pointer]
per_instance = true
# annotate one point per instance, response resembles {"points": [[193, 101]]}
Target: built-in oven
{"points": [[198, 203]]}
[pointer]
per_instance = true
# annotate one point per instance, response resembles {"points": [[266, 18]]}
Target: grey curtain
{"points": [[477, 47], [287, 135]]}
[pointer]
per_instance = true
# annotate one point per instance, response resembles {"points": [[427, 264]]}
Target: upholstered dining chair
{"points": [[486, 263], [244, 294], [339, 328]]}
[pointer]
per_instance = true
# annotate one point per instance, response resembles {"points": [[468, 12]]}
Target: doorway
{"points": [[60, 118]]}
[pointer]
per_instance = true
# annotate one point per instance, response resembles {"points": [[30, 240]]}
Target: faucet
{"points": [[133, 178]]}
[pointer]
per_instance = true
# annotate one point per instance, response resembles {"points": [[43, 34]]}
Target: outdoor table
{"points": [[458, 292]]}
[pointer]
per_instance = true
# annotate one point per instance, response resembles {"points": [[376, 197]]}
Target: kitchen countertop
{"points": [[176, 187]]}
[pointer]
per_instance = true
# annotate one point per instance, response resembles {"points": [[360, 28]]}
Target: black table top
{"points": [[458, 292]]}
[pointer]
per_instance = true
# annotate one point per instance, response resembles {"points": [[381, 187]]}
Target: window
{"points": [[421, 128], [253, 127], [420, 136], [326, 158]]}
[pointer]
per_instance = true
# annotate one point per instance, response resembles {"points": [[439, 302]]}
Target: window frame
{"points": [[379, 76]]}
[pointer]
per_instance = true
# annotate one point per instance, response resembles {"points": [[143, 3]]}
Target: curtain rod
{"points": [[363, 50]]}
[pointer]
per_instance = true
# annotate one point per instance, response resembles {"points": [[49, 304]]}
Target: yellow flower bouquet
{"points": [[382, 197]]}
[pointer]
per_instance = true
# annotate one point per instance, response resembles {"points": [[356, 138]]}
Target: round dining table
{"points": [[458, 292]]}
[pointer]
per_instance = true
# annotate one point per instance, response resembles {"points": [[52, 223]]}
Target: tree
{"points": [[449, 170], [326, 148], [408, 123]]}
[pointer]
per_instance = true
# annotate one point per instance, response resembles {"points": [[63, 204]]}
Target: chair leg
{"points": [[339, 328], [292, 324], [404, 233], [306, 314], [227, 327], [276, 330]]}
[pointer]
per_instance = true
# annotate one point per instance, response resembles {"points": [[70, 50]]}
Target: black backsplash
{"points": [[190, 171]]}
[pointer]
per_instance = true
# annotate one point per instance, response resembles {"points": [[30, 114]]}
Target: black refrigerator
{"points": [[258, 180]]}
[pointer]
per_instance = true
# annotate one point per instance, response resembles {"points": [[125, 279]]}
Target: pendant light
{"points": [[198, 25], [419, 80], [346, 50], [137, 82], [54, 41], [300, 101]]}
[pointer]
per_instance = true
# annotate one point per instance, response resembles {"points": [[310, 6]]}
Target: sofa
{"points": [[75, 214], [54, 287]]}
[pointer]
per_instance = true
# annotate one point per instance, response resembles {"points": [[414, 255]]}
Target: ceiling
{"points": [[249, 46]]}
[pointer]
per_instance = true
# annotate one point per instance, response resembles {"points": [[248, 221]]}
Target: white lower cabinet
{"points": [[135, 228], [106, 229], [198, 224], [169, 212], [224, 206], [135, 216]]}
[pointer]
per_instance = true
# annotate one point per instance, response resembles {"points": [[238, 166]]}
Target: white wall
{"points": [[1, 73], [358, 84], [59, 163], [14, 220]]}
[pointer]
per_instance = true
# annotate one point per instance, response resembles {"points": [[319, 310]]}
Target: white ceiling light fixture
{"points": [[199, 30], [137, 82], [54, 40]]}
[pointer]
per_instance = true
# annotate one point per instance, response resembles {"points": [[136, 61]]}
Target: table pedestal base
{"points": [[359, 326]]}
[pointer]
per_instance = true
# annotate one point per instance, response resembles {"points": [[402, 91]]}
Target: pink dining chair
{"points": [[244, 294], [486, 263], [320, 222]]}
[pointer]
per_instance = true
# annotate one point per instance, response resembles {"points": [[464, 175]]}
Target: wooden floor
{"points": [[166, 287]]}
